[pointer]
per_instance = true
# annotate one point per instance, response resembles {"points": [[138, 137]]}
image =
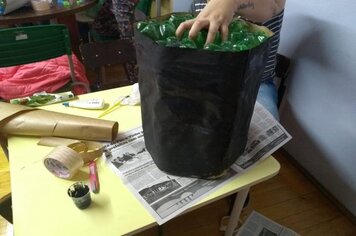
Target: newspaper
{"points": [[257, 225], [166, 196]]}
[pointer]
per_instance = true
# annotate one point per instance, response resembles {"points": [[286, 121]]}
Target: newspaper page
{"points": [[265, 136], [166, 196], [257, 225]]}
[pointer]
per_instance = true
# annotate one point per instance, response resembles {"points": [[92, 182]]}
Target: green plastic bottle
{"points": [[167, 29], [251, 41], [141, 25], [200, 40], [152, 31], [212, 47], [172, 42], [236, 37], [187, 43], [239, 47], [177, 19], [226, 46], [242, 36], [239, 26], [261, 36], [218, 39]]}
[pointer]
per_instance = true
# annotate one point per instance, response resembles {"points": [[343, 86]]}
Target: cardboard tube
{"points": [[20, 120], [56, 141]]}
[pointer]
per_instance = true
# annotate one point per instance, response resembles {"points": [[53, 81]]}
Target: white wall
{"points": [[319, 108], [182, 5]]}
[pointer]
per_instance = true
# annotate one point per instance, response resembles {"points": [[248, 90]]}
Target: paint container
{"points": [[80, 194]]}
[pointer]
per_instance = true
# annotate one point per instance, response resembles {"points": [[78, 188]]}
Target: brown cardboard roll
{"points": [[21, 120]]}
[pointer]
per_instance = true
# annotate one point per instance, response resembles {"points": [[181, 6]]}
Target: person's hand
{"points": [[216, 16]]}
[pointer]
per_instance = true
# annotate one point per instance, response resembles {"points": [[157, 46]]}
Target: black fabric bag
{"points": [[196, 105]]}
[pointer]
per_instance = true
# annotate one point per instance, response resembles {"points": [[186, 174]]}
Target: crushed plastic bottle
{"points": [[242, 35]]}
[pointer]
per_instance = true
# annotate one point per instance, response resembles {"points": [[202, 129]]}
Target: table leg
{"points": [[236, 211], [71, 22], [3, 145]]}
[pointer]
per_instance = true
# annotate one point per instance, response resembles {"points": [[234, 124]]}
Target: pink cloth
{"points": [[49, 76]]}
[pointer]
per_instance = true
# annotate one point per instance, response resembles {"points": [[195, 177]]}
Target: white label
{"points": [[21, 37]]}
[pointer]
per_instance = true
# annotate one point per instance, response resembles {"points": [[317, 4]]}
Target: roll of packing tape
{"points": [[87, 150], [65, 161]]}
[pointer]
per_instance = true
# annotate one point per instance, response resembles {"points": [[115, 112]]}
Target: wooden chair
{"points": [[97, 55], [22, 45]]}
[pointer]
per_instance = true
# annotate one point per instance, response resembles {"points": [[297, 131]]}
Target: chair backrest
{"points": [[23, 45]]}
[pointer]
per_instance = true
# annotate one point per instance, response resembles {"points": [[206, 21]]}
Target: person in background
{"points": [[105, 23], [115, 19], [123, 11], [216, 15]]}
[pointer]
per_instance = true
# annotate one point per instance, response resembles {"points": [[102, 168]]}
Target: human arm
{"points": [[217, 15]]}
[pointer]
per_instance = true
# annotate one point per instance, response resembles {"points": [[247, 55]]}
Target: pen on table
{"points": [[93, 177]]}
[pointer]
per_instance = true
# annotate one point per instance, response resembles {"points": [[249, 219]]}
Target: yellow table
{"points": [[41, 205]]}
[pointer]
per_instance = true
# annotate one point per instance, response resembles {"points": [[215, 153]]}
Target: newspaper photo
{"points": [[166, 196], [259, 225]]}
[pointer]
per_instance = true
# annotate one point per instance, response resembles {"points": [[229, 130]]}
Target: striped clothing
{"points": [[274, 24], [198, 5]]}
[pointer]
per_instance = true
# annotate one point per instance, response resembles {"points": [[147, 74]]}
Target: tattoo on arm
{"points": [[244, 6]]}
